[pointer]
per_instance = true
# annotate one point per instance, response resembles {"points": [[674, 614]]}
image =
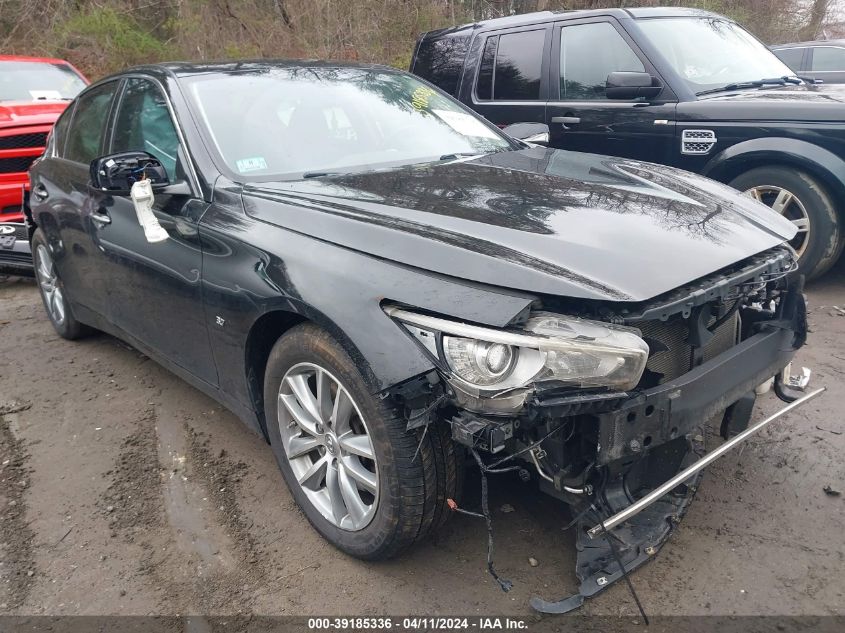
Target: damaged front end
{"points": [[607, 402]]}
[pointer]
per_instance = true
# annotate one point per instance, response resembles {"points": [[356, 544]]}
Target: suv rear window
{"points": [[440, 60], [510, 66]]}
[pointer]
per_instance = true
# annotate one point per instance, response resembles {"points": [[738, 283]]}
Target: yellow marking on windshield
{"points": [[420, 98]]}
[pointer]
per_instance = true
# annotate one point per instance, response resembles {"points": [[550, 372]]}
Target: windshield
{"points": [[308, 121], [31, 81], [711, 53]]}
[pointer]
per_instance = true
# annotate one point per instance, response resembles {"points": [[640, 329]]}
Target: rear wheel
{"points": [[53, 292], [803, 200], [350, 464]]}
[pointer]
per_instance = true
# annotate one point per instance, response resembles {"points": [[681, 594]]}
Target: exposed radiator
{"points": [[678, 358]]}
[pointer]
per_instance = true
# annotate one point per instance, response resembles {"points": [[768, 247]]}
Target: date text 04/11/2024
{"points": [[417, 623]]}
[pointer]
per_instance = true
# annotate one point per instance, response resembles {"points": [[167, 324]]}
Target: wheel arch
{"points": [[268, 328], [818, 162]]}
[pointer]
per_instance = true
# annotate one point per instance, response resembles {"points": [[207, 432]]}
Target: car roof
{"points": [[544, 16], [26, 58], [810, 43]]}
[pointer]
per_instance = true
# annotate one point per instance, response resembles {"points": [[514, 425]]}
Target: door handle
{"points": [[39, 192], [563, 120], [100, 219]]}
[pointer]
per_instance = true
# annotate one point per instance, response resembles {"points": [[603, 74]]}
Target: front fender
{"points": [[252, 268]]}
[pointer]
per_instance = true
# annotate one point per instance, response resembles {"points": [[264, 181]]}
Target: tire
{"points": [[450, 463], [820, 247], [53, 292], [402, 509]]}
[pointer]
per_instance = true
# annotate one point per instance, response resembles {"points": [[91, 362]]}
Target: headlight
{"points": [[574, 351], [479, 362]]}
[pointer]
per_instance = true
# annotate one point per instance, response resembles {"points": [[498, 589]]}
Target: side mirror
{"points": [[116, 173], [532, 133], [629, 85]]}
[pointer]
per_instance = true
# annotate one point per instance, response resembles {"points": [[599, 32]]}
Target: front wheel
{"points": [[368, 485], [803, 200]]}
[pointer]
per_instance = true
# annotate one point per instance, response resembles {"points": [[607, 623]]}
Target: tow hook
{"points": [[789, 387]]}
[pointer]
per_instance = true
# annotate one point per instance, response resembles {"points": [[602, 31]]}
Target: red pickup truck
{"points": [[34, 91]]}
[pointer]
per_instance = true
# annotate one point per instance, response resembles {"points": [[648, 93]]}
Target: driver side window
{"points": [[588, 54], [143, 124]]}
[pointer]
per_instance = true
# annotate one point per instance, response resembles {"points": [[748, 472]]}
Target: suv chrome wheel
{"points": [[789, 206], [48, 281], [328, 446]]}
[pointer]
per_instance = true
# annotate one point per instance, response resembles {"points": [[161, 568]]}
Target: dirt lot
{"points": [[125, 491]]}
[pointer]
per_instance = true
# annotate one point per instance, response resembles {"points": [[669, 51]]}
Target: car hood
{"points": [[537, 220], [15, 113], [805, 103]]}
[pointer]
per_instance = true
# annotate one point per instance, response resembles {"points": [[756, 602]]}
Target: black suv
{"points": [[682, 87]]}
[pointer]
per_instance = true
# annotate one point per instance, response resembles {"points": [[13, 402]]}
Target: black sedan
{"points": [[388, 288]]}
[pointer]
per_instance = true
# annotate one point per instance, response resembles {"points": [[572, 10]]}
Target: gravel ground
{"points": [[125, 491]]}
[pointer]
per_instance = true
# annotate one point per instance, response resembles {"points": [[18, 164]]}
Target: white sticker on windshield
{"points": [[45, 94], [251, 164], [465, 124]]}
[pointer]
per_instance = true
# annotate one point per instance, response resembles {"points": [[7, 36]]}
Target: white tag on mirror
{"points": [[142, 197]]}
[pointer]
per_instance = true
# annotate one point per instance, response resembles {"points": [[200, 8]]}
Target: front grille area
{"points": [[16, 164], [21, 141], [21, 232], [672, 355], [15, 257]]}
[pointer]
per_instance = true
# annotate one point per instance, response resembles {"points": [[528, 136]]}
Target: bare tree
{"points": [[105, 36], [819, 11]]}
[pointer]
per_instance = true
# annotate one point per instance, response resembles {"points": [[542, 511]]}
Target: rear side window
{"points": [[791, 57], [85, 135], [440, 60], [511, 66], [588, 54], [828, 58]]}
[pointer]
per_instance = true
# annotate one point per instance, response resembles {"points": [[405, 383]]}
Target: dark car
{"points": [[383, 284], [821, 60], [680, 87]]}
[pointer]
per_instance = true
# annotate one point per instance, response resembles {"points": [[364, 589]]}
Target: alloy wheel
{"points": [[328, 446], [789, 206], [48, 281]]}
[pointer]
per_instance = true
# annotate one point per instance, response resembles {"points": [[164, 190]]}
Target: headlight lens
{"points": [[574, 351], [479, 362], [600, 355]]}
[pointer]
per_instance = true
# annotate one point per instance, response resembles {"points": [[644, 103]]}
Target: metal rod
{"points": [[540, 470], [685, 474], [575, 491]]}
